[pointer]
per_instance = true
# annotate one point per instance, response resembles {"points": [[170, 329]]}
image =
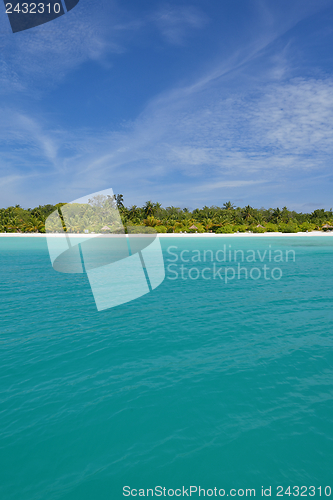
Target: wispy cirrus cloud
{"points": [[267, 139], [240, 129], [176, 22], [25, 138], [261, 140], [299, 118], [271, 136], [42, 56]]}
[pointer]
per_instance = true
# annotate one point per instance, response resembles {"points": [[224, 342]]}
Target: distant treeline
{"points": [[225, 219]]}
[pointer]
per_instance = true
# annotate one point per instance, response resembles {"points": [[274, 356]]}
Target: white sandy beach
{"points": [[173, 235]]}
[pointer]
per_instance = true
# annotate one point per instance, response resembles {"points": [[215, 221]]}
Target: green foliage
{"points": [[289, 227], [256, 229], [110, 212], [307, 226], [271, 228], [240, 228], [227, 229], [160, 229]]}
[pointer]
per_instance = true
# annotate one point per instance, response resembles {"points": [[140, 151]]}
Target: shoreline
{"points": [[173, 235]]}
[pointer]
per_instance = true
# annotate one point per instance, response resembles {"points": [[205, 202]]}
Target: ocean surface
{"points": [[205, 381]]}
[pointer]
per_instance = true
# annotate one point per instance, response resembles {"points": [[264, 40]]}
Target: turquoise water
{"points": [[201, 382]]}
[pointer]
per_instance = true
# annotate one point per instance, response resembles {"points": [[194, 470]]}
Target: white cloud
{"points": [[176, 22], [214, 134], [225, 184], [189, 146], [297, 117], [24, 137], [235, 142], [37, 59]]}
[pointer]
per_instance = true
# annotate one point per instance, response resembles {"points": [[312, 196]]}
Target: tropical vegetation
{"points": [[110, 214]]}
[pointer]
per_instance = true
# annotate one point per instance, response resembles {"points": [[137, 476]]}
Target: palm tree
{"points": [[148, 208], [207, 223], [151, 221], [34, 225], [119, 198], [228, 205], [247, 212], [276, 216]]}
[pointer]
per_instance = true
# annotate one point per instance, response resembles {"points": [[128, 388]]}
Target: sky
{"points": [[187, 103]]}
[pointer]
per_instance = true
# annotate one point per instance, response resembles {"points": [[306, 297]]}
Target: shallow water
{"points": [[201, 382]]}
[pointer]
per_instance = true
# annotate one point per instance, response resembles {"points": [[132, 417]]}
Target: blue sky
{"points": [[188, 103]]}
